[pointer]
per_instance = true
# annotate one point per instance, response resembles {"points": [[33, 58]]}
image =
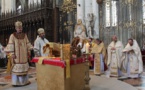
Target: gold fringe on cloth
{"points": [[67, 68], [40, 61]]}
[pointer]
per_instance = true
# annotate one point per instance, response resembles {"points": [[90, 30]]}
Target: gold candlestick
{"points": [[87, 77], [61, 52]]}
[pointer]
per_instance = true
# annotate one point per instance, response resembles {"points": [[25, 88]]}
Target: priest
{"points": [[99, 51], [132, 59], [114, 57], [18, 47], [39, 43]]}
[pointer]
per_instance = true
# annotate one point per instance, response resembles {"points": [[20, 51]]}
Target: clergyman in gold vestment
{"points": [[100, 56], [18, 47]]}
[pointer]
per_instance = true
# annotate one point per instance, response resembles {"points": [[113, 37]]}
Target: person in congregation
{"points": [[18, 47], [100, 56], [39, 43], [132, 59], [114, 57]]}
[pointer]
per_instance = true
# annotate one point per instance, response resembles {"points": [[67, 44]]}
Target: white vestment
{"points": [[114, 58], [38, 46], [132, 60]]}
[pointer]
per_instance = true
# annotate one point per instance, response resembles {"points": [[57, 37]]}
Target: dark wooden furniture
{"points": [[33, 17], [143, 55]]}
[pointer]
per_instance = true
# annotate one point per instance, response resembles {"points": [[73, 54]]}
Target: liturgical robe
{"points": [[132, 60], [114, 58], [100, 57], [19, 45], [38, 46]]}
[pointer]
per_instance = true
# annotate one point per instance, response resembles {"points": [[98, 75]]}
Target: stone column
{"points": [[39, 1], [14, 5], [88, 7], [95, 11], [2, 6], [30, 2], [80, 9], [8, 5]]}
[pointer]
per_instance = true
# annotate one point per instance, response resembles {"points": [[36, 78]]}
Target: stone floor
{"points": [[96, 82]]}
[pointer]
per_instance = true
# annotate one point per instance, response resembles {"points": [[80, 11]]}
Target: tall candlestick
{"points": [[87, 47], [61, 52]]}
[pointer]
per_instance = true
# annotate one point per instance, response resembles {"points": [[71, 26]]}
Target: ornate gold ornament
{"points": [[68, 6], [68, 25], [132, 2], [130, 24]]}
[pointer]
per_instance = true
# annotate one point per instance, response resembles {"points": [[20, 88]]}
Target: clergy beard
{"points": [[19, 32], [42, 38], [115, 41], [131, 44]]}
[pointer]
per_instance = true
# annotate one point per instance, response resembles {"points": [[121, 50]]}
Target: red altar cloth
{"points": [[61, 63], [55, 61]]}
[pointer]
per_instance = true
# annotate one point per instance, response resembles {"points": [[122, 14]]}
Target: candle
{"points": [[87, 47], [61, 51]]}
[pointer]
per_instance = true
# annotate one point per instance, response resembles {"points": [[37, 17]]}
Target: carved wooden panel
{"points": [[37, 16]]}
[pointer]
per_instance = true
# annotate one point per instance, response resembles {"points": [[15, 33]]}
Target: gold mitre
{"points": [[18, 24], [40, 30]]}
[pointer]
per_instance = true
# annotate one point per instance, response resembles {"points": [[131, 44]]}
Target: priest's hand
{"points": [[125, 51], [131, 51]]}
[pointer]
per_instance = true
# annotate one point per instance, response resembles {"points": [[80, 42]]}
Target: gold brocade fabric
{"points": [[19, 36], [100, 49], [9, 64], [67, 68], [97, 64], [66, 57], [97, 50]]}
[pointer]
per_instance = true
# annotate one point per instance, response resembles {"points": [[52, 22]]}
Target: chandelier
{"points": [[68, 6]]}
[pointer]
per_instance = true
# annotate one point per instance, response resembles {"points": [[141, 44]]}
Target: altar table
{"points": [[51, 74]]}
